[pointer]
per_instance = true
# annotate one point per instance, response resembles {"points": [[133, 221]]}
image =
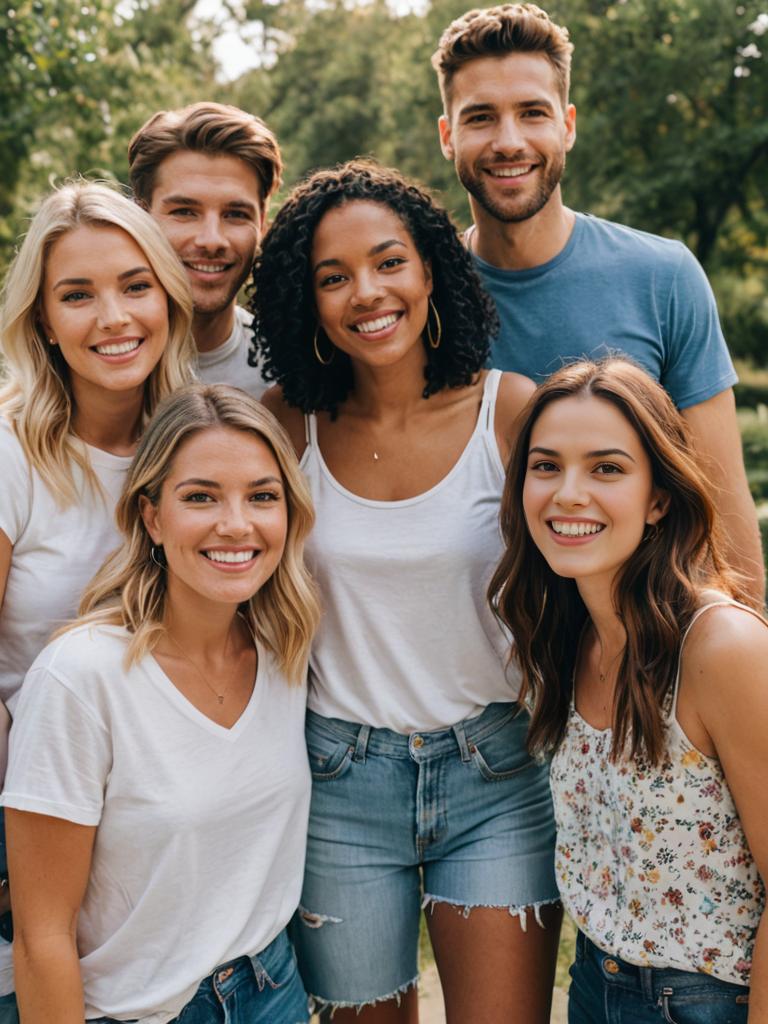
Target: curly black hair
{"points": [[282, 297]]}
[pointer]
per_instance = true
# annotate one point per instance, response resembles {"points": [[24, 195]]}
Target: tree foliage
{"points": [[672, 99]]}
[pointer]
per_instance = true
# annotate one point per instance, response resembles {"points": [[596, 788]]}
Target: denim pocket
{"points": [[710, 1005], [502, 754], [328, 758], [276, 965]]}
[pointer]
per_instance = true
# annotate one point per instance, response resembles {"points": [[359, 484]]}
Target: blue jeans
{"points": [[9, 1013], [460, 815], [608, 990], [262, 989]]}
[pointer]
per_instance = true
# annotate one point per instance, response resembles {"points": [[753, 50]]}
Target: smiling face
{"points": [[221, 518], [105, 310], [508, 134], [211, 210], [371, 286], [588, 492]]}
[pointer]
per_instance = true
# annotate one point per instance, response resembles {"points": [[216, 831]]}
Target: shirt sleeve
{"points": [[60, 752], [16, 486], [698, 364]]}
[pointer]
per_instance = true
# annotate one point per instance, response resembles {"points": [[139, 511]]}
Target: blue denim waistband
{"points": [[654, 982], [365, 739]]}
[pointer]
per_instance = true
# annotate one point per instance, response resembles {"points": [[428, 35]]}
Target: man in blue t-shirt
{"points": [[566, 284]]}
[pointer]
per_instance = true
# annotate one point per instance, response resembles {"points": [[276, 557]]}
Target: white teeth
{"points": [[208, 268], [575, 529], [376, 325], [230, 557], [118, 350], [510, 172]]}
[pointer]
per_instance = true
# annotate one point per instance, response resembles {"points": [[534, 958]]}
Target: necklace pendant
{"points": [[220, 698], [375, 456]]}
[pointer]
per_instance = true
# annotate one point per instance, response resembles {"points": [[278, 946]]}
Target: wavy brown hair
{"points": [[656, 591]]}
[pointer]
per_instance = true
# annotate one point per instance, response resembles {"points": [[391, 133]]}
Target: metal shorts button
{"points": [[223, 975], [611, 966], [418, 742]]}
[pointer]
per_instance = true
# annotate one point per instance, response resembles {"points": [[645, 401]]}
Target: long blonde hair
{"points": [[130, 588], [35, 396]]}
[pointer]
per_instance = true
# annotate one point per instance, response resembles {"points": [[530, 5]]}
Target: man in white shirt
{"points": [[206, 173]]}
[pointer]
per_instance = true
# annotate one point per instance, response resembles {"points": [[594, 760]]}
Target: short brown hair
{"points": [[497, 31], [212, 128]]}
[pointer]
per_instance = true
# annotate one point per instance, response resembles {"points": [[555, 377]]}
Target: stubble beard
{"points": [[513, 210]]}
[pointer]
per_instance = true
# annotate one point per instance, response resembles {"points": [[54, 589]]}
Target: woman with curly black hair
{"points": [[371, 320]]}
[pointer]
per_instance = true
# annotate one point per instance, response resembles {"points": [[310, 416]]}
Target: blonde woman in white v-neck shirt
{"points": [[95, 332], [374, 324], [158, 784]]}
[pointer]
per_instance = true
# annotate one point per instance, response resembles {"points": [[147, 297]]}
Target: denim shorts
{"points": [[261, 989], [9, 1013], [607, 990], [461, 816]]}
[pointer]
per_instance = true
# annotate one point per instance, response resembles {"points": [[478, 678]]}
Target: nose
{"points": [[233, 521], [508, 138], [112, 313], [367, 291], [571, 492], [209, 235]]}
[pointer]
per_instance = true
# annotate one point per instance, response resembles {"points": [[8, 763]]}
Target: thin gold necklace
{"points": [[219, 696]]}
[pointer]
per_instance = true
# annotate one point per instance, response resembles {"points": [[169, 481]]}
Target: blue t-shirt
{"points": [[613, 289]]}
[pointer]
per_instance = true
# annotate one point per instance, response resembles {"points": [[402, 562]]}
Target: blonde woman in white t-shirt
{"points": [[96, 316], [158, 774]]}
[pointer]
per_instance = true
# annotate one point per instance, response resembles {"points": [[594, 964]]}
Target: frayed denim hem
{"points": [[318, 1003], [429, 902]]}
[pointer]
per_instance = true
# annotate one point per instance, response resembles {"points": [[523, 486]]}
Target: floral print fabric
{"points": [[651, 861]]}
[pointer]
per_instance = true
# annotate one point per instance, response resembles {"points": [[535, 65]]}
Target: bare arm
{"points": [[513, 395], [49, 862], [727, 669], [6, 550], [717, 442]]}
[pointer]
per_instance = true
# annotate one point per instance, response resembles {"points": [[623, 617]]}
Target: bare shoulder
{"points": [[291, 418], [725, 661], [514, 392]]}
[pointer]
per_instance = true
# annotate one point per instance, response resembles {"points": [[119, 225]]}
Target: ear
{"points": [[444, 127], [428, 275], [149, 515], [658, 508], [570, 127]]}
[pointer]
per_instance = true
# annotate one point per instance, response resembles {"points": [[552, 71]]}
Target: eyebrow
{"points": [[598, 453], [374, 251], [214, 485], [475, 108], [238, 204], [68, 281]]}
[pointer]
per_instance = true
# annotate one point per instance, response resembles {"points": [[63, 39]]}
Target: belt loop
{"points": [[361, 744], [646, 982], [461, 738]]}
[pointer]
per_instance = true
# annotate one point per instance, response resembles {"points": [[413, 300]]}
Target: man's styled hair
{"points": [[211, 128], [497, 31]]}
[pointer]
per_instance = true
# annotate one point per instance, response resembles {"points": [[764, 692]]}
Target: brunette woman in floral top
{"points": [[648, 685]]}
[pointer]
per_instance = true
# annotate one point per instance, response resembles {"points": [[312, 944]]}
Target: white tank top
{"points": [[651, 861], [407, 640]]}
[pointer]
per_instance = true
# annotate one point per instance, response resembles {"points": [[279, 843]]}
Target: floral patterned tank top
{"points": [[651, 861]]}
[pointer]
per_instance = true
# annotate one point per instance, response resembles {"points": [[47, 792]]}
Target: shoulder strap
{"points": [[721, 601], [488, 406]]}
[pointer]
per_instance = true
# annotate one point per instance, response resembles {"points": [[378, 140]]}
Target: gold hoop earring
{"points": [[434, 342], [323, 362]]}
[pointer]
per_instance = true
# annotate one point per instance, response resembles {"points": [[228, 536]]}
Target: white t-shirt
{"points": [[201, 830], [56, 551], [228, 364]]}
